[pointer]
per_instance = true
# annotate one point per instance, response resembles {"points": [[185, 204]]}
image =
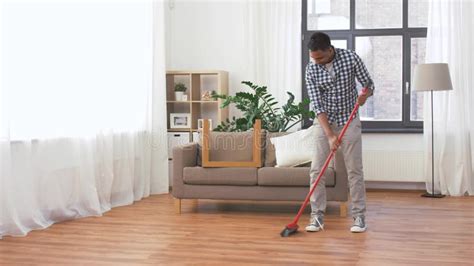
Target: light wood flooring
{"points": [[404, 228]]}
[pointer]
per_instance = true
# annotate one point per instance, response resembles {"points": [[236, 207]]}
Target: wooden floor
{"points": [[404, 228]]}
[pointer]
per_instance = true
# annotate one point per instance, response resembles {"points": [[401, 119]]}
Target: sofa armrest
{"points": [[183, 156]]}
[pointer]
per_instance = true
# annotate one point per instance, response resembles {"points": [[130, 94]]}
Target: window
{"points": [[418, 13], [417, 52], [373, 51], [390, 37], [328, 15], [374, 14], [77, 77]]}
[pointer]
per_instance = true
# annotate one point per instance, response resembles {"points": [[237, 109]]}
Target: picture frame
{"points": [[180, 120]]}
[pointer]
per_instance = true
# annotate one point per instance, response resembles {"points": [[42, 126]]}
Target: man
{"points": [[331, 85]]}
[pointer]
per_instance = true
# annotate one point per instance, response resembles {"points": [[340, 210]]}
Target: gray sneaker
{"points": [[316, 223], [359, 225]]}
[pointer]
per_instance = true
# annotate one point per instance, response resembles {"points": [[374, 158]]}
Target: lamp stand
{"points": [[432, 194]]}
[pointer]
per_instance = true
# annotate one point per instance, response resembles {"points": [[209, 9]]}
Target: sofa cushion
{"points": [[292, 177], [231, 146], [270, 158], [220, 176], [295, 148]]}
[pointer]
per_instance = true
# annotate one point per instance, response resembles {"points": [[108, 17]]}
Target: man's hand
{"points": [[332, 138], [333, 142], [362, 99]]}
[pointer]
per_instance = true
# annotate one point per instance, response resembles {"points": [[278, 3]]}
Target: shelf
{"points": [[184, 130], [200, 72], [178, 73], [198, 82], [179, 129]]}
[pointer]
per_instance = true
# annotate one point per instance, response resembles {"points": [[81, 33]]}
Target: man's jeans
{"points": [[351, 149]]}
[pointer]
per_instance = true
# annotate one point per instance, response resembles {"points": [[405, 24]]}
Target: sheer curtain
{"points": [[450, 40], [272, 35], [82, 114]]}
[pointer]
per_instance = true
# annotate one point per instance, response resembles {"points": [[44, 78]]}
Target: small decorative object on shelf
{"points": [[207, 96], [184, 98], [179, 90], [201, 124], [180, 120]]}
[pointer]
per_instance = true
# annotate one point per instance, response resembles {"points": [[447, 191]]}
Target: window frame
{"points": [[407, 33]]}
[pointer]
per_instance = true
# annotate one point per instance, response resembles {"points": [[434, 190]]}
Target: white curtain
{"points": [[450, 40], [273, 45], [82, 114]]}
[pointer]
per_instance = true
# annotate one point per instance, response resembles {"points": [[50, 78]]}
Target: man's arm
{"points": [[364, 78], [315, 95]]}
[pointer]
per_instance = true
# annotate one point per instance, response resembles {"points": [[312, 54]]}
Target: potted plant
{"points": [[258, 103], [179, 90]]}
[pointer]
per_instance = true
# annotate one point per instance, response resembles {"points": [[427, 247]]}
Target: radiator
{"points": [[397, 166]]}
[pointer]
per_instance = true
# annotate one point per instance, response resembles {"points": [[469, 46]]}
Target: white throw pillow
{"points": [[295, 148]]}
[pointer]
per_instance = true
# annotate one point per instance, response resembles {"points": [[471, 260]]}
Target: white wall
{"points": [[207, 35], [210, 35]]}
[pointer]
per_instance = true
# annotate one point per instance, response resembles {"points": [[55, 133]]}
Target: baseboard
{"points": [[381, 185], [384, 185]]}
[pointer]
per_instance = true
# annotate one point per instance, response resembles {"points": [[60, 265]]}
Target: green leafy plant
{"points": [[259, 104], [180, 87]]}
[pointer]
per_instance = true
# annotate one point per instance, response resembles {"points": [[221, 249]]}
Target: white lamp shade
{"points": [[432, 77]]}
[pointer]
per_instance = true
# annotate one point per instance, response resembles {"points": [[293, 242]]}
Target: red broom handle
{"points": [[328, 160]]}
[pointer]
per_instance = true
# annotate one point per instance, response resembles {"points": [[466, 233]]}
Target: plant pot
{"points": [[178, 95]]}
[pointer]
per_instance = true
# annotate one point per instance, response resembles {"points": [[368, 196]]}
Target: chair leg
{"points": [[177, 206], [343, 209]]}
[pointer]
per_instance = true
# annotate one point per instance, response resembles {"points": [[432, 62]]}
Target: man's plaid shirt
{"points": [[336, 97]]}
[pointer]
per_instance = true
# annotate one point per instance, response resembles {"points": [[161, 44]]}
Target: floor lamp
{"points": [[432, 77]]}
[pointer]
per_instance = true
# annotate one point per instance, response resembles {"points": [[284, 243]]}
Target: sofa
{"points": [[266, 183]]}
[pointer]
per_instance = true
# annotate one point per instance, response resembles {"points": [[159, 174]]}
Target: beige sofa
{"points": [[269, 183]]}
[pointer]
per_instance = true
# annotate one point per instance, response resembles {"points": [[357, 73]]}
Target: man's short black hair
{"points": [[319, 41]]}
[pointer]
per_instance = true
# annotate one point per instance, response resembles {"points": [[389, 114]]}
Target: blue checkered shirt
{"points": [[336, 97]]}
